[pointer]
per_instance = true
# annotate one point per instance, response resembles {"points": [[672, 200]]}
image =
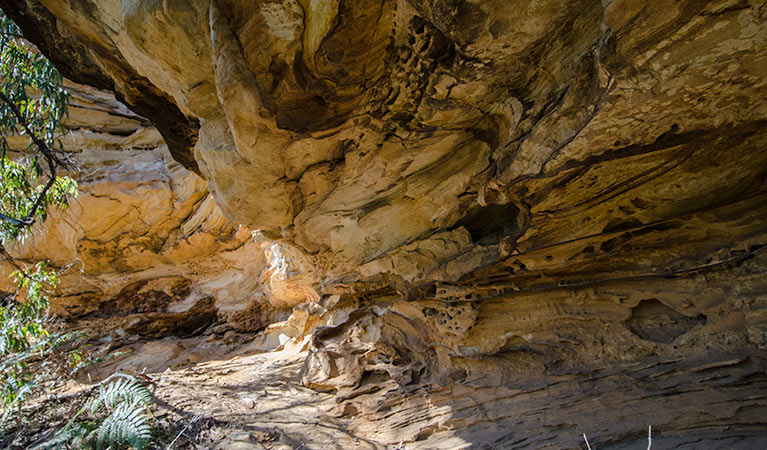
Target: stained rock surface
{"points": [[144, 250], [514, 221]]}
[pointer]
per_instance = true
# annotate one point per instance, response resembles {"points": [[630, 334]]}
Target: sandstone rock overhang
{"points": [[509, 195], [354, 128]]}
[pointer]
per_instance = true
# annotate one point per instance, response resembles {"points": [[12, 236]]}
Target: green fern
{"points": [[123, 417], [70, 437], [127, 400], [120, 389], [129, 424]]}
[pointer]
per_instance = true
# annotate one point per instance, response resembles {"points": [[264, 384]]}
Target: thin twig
{"points": [[195, 418], [587, 441], [649, 437], [7, 256]]}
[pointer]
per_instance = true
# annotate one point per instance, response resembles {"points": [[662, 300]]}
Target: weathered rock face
{"points": [[538, 216], [352, 129], [144, 248]]}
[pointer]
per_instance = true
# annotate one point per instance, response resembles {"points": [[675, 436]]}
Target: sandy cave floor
{"points": [[215, 392], [242, 401]]}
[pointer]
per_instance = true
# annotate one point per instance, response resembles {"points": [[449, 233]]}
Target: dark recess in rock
{"points": [[653, 321], [490, 220]]}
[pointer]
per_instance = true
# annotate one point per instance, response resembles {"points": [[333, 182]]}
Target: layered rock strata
{"points": [[144, 250]]}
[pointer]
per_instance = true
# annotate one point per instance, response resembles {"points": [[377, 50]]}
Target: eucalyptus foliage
{"points": [[33, 103], [24, 335]]}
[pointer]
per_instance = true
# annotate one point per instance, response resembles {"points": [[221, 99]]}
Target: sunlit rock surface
{"points": [[144, 250], [514, 221]]}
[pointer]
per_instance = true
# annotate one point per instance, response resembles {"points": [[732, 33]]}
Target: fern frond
{"points": [[126, 402], [124, 389], [72, 436], [128, 424]]}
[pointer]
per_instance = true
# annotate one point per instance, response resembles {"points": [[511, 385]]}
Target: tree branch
{"points": [[29, 219], [42, 146], [7, 256], [17, 222]]}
